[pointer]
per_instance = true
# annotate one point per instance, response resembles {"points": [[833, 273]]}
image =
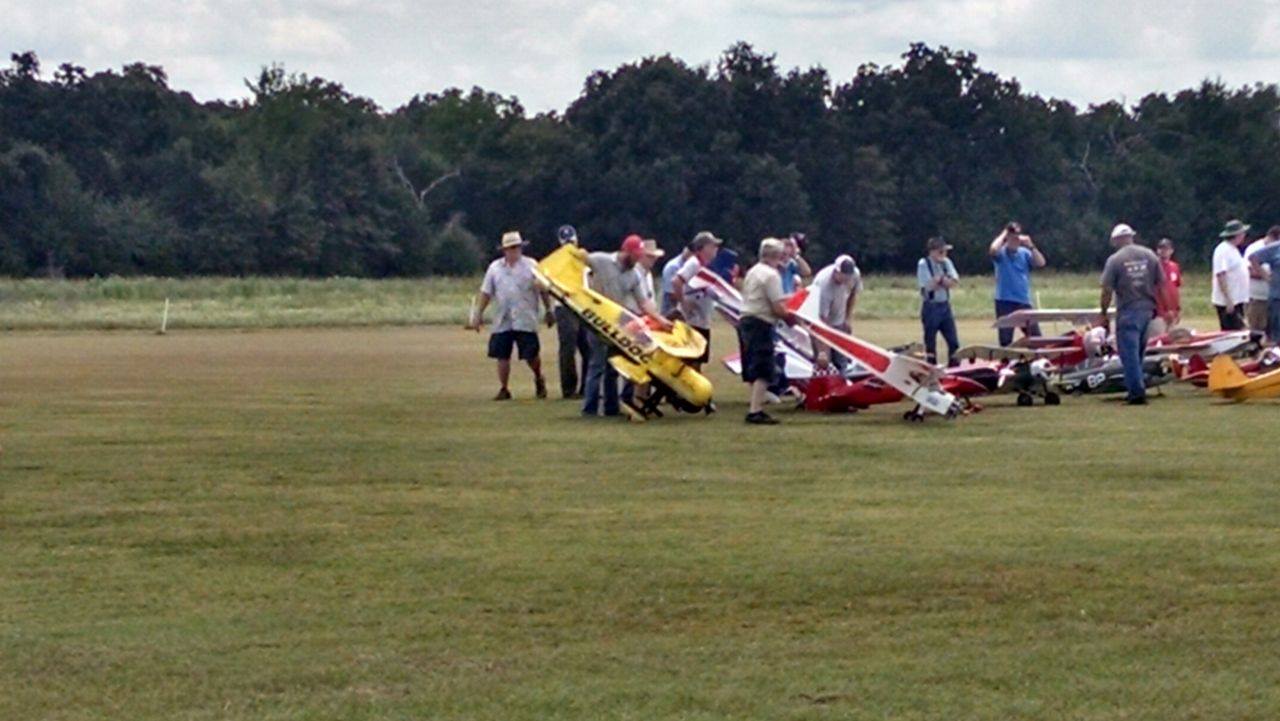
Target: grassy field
{"points": [[119, 303], [334, 524]]}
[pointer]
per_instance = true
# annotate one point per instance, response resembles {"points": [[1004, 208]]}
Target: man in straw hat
{"points": [[509, 283], [1231, 276], [1134, 276]]}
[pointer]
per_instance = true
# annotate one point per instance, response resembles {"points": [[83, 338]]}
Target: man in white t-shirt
{"points": [[838, 286], [1231, 276], [697, 305], [1255, 313]]}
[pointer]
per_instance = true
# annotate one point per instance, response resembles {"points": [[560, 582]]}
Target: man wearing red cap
{"points": [[614, 276]]}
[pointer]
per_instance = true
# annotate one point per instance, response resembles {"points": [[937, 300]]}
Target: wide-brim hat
{"points": [[652, 250], [512, 239], [1234, 228]]}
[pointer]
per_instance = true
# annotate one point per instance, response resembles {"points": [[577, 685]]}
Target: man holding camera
{"points": [[1014, 254]]}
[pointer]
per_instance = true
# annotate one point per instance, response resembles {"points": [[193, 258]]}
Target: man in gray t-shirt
{"points": [[1134, 276]]}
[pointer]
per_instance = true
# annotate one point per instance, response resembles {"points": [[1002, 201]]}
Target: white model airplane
{"points": [[914, 378]]}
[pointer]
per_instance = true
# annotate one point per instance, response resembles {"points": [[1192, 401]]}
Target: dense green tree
{"points": [[115, 172]]}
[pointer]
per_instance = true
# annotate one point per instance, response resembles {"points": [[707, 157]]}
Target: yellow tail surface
{"points": [[1225, 375]]}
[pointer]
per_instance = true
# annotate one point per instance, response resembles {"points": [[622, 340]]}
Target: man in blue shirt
{"points": [[1269, 254], [1014, 255], [795, 270]]}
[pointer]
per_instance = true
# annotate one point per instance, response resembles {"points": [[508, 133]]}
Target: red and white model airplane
{"points": [[915, 379]]}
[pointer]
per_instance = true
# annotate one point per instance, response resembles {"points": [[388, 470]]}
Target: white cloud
{"points": [[542, 50]]}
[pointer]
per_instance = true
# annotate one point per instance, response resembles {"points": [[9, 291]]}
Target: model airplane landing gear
{"points": [[1052, 399], [1025, 399], [914, 416]]}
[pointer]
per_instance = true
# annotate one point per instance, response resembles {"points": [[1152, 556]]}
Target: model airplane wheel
{"points": [[1024, 399], [1052, 399]]}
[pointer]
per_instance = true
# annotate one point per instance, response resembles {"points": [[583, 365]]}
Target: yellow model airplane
{"points": [[1229, 381], [645, 355]]}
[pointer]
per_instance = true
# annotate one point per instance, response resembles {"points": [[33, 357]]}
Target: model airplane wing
{"points": [[1023, 318], [983, 351], [915, 378], [1228, 380]]}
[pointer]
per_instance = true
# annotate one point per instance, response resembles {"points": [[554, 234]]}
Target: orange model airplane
{"points": [[1229, 381]]}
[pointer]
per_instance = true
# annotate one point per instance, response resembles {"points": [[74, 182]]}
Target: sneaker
{"points": [[771, 398], [1135, 401], [540, 387], [710, 408], [760, 418], [503, 395]]}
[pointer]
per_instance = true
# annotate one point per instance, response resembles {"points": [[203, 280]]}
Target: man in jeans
{"points": [[614, 276], [1132, 275], [1266, 262], [573, 336], [1014, 255], [936, 275]]}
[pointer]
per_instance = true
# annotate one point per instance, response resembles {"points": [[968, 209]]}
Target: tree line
{"points": [[117, 173]]}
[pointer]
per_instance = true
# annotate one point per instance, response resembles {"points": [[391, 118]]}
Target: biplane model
{"points": [[1228, 380], [646, 355]]}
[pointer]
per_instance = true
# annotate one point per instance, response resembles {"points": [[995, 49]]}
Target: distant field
{"points": [[137, 303], [336, 524]]}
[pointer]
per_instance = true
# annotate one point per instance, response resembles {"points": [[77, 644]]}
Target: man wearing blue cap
{"points": [[572, 335]]}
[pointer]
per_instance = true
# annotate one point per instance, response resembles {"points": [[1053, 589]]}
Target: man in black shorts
{"points": [[509, 283], [762, 307]]}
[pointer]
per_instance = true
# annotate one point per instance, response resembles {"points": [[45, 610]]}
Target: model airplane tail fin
{"points": [[1225, 375], [566, 267]]}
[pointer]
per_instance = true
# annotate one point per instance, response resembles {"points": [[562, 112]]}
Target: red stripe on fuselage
{"points": [[869, 357]]}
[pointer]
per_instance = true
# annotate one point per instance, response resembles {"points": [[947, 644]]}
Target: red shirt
{"points": [[1170, 301]]}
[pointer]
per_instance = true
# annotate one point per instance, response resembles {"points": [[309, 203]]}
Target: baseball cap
{"points": [[633, 245], [567, 234], [1122, 230], [1164, 243], [937, 243], [845, 265]]}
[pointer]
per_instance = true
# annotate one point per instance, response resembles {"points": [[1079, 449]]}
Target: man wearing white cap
{"points": [[838, 286], [509, 282], [1231, 276], [1134, 276]]}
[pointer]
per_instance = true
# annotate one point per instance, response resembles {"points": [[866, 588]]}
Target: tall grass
{"points": [[258, 302]]}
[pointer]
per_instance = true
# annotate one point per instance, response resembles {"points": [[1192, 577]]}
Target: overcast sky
{"points": [[1086, 51]]}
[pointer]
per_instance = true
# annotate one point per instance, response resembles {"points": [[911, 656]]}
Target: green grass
{"points": [[137, 303], [325, 524]]}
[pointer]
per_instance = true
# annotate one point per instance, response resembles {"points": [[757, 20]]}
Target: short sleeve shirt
{"points": [[1257, 286], [761, 288], [1227, 259], [700, 303], [1270, 254], [1134, 274], [514, 293], [1013, 275], [790, 273], [619, 284], [833, 297], [928, 269]]}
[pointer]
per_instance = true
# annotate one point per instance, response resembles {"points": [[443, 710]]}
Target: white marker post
{"points": [[164, 319], [473, 316]]}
